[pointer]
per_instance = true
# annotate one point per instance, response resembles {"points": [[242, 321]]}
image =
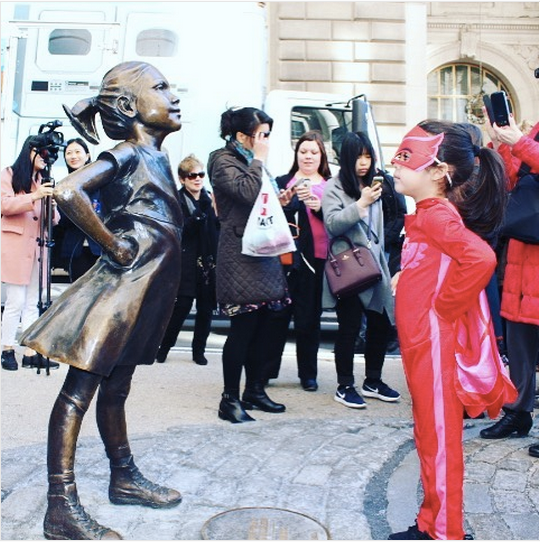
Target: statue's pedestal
{"points": [[260, 523]]}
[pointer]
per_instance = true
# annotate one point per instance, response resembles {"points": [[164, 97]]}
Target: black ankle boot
{"points": [[513, 422], [255, 396], [232, 410], [66, 519], [129, 486]]}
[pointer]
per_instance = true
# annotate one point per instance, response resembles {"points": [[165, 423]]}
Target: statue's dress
{"points": [[117, 315]]}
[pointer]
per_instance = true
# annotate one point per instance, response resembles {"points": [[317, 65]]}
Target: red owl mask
{"points": [[418, 150]]}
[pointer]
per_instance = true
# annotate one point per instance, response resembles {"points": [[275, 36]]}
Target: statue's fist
{"points": [[125, 250]]}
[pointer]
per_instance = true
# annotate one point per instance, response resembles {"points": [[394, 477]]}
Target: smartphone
{"points": [[489, 108], [500, 107], [378, 179], [300, 182]]}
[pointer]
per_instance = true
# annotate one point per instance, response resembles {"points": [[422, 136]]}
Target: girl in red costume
{"points": [[448, 347]]}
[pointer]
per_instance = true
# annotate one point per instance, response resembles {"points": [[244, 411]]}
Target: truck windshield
{"points": [[333, 124]]}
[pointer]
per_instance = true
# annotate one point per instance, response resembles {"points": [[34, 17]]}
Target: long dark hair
{"points": [[324, 168], [355, 144], [478, 186], [83, 144], [23, 169], [244, 120]]}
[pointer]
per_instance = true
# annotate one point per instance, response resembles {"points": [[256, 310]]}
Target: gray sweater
{"points": [[342, 217]]}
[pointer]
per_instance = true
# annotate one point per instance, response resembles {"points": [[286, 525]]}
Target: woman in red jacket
{"points": [[22, 192], [520, 290]]}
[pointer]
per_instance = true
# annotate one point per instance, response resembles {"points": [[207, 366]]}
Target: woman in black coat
{"points": [[198, 275]]}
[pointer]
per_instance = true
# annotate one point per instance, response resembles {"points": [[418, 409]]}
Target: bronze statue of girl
{"points": [[113, 318]]}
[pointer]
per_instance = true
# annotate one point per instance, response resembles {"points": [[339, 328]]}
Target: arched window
{"points": [[455, 92]]}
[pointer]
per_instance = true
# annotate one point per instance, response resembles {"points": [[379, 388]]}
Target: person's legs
{"points": [[234, 358], [254, 394], [438, 428], [127, 484], [307, 320], [65, 518], [522, 343], [349, 312], [203, 324], [11, 316], [182, 306], [378, 332], [278, 328]]}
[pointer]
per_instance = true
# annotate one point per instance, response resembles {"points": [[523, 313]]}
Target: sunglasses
{"points": [[266, 135], [193, 176]]}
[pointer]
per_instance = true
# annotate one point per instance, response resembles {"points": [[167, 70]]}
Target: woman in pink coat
{"points": [[22, 192]]}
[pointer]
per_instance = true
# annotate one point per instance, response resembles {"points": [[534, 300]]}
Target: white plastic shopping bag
{"points": [[267, 232]]}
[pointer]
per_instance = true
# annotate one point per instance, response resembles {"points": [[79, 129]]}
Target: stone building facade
{"points": [[387, 50]]}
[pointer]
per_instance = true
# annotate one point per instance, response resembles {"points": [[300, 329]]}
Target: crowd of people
{"points": [[165, 243]]}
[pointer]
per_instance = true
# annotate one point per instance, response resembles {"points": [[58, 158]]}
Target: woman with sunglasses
{"points": [[248, 288], [199, 247]]}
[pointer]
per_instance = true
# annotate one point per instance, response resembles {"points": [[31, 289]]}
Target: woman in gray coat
{"points": [[247, 287], [348, 201]]}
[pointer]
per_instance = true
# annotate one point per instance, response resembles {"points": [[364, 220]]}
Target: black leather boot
{"points": [[255, 396], [129, 486], [512, 422], [232, 410], [66, 519]]}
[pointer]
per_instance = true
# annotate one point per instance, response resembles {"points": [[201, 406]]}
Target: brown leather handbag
{"points": [[353, 270]]}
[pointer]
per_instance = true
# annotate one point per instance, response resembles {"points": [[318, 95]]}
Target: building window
{"points": [[455, 92], [156, 42], [70, 42]]}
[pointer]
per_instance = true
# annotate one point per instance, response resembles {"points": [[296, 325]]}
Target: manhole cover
{"points": [[260, 523]]}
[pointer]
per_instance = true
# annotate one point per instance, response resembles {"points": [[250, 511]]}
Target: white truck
{"points": [[214, 55]]}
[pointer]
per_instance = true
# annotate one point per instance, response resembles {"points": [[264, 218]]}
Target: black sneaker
{"points": [[309, 384], [200, 359], [380, 390], [412, 533], [348, 396], [9, 363]]}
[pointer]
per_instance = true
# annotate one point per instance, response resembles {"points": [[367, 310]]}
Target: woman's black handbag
{"points": [[521, 217]]}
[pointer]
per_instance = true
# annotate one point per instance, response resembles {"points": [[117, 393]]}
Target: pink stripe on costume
{"points": [[441, 521]]}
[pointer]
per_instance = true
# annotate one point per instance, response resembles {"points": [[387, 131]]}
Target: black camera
{"points": [[47, 143], [498, 108]]}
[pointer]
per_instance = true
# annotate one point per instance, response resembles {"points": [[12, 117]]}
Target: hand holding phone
{"points": [[377, 180]]}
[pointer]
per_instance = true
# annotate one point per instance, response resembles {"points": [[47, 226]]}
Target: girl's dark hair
{"points": [[23, 169], [244, 120], [83, 144], [478, 187], [355, 144], [324, 168]]}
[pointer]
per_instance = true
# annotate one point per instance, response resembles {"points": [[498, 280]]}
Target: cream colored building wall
{"points": [[386, 49]]}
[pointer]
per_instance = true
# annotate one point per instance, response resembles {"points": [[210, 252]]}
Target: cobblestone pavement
{"points": [[356, 472]]}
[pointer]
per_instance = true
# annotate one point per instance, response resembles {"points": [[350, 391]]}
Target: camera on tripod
{"points": [[47, 143]]}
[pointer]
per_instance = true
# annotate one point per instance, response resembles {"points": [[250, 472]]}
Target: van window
{"points": [[333, 124], [70, 41], [157, 42]]}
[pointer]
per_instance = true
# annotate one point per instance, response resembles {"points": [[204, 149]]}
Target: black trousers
{"points": [[245, 347], [204, 307], [378, 331], [522, 345], [305, 289]]}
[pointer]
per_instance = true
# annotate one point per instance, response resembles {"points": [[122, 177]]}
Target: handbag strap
{"points": [[369, 230]]}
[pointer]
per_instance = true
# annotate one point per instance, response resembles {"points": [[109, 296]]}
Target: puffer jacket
{"points": [[520, 284], [240, 279]]}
